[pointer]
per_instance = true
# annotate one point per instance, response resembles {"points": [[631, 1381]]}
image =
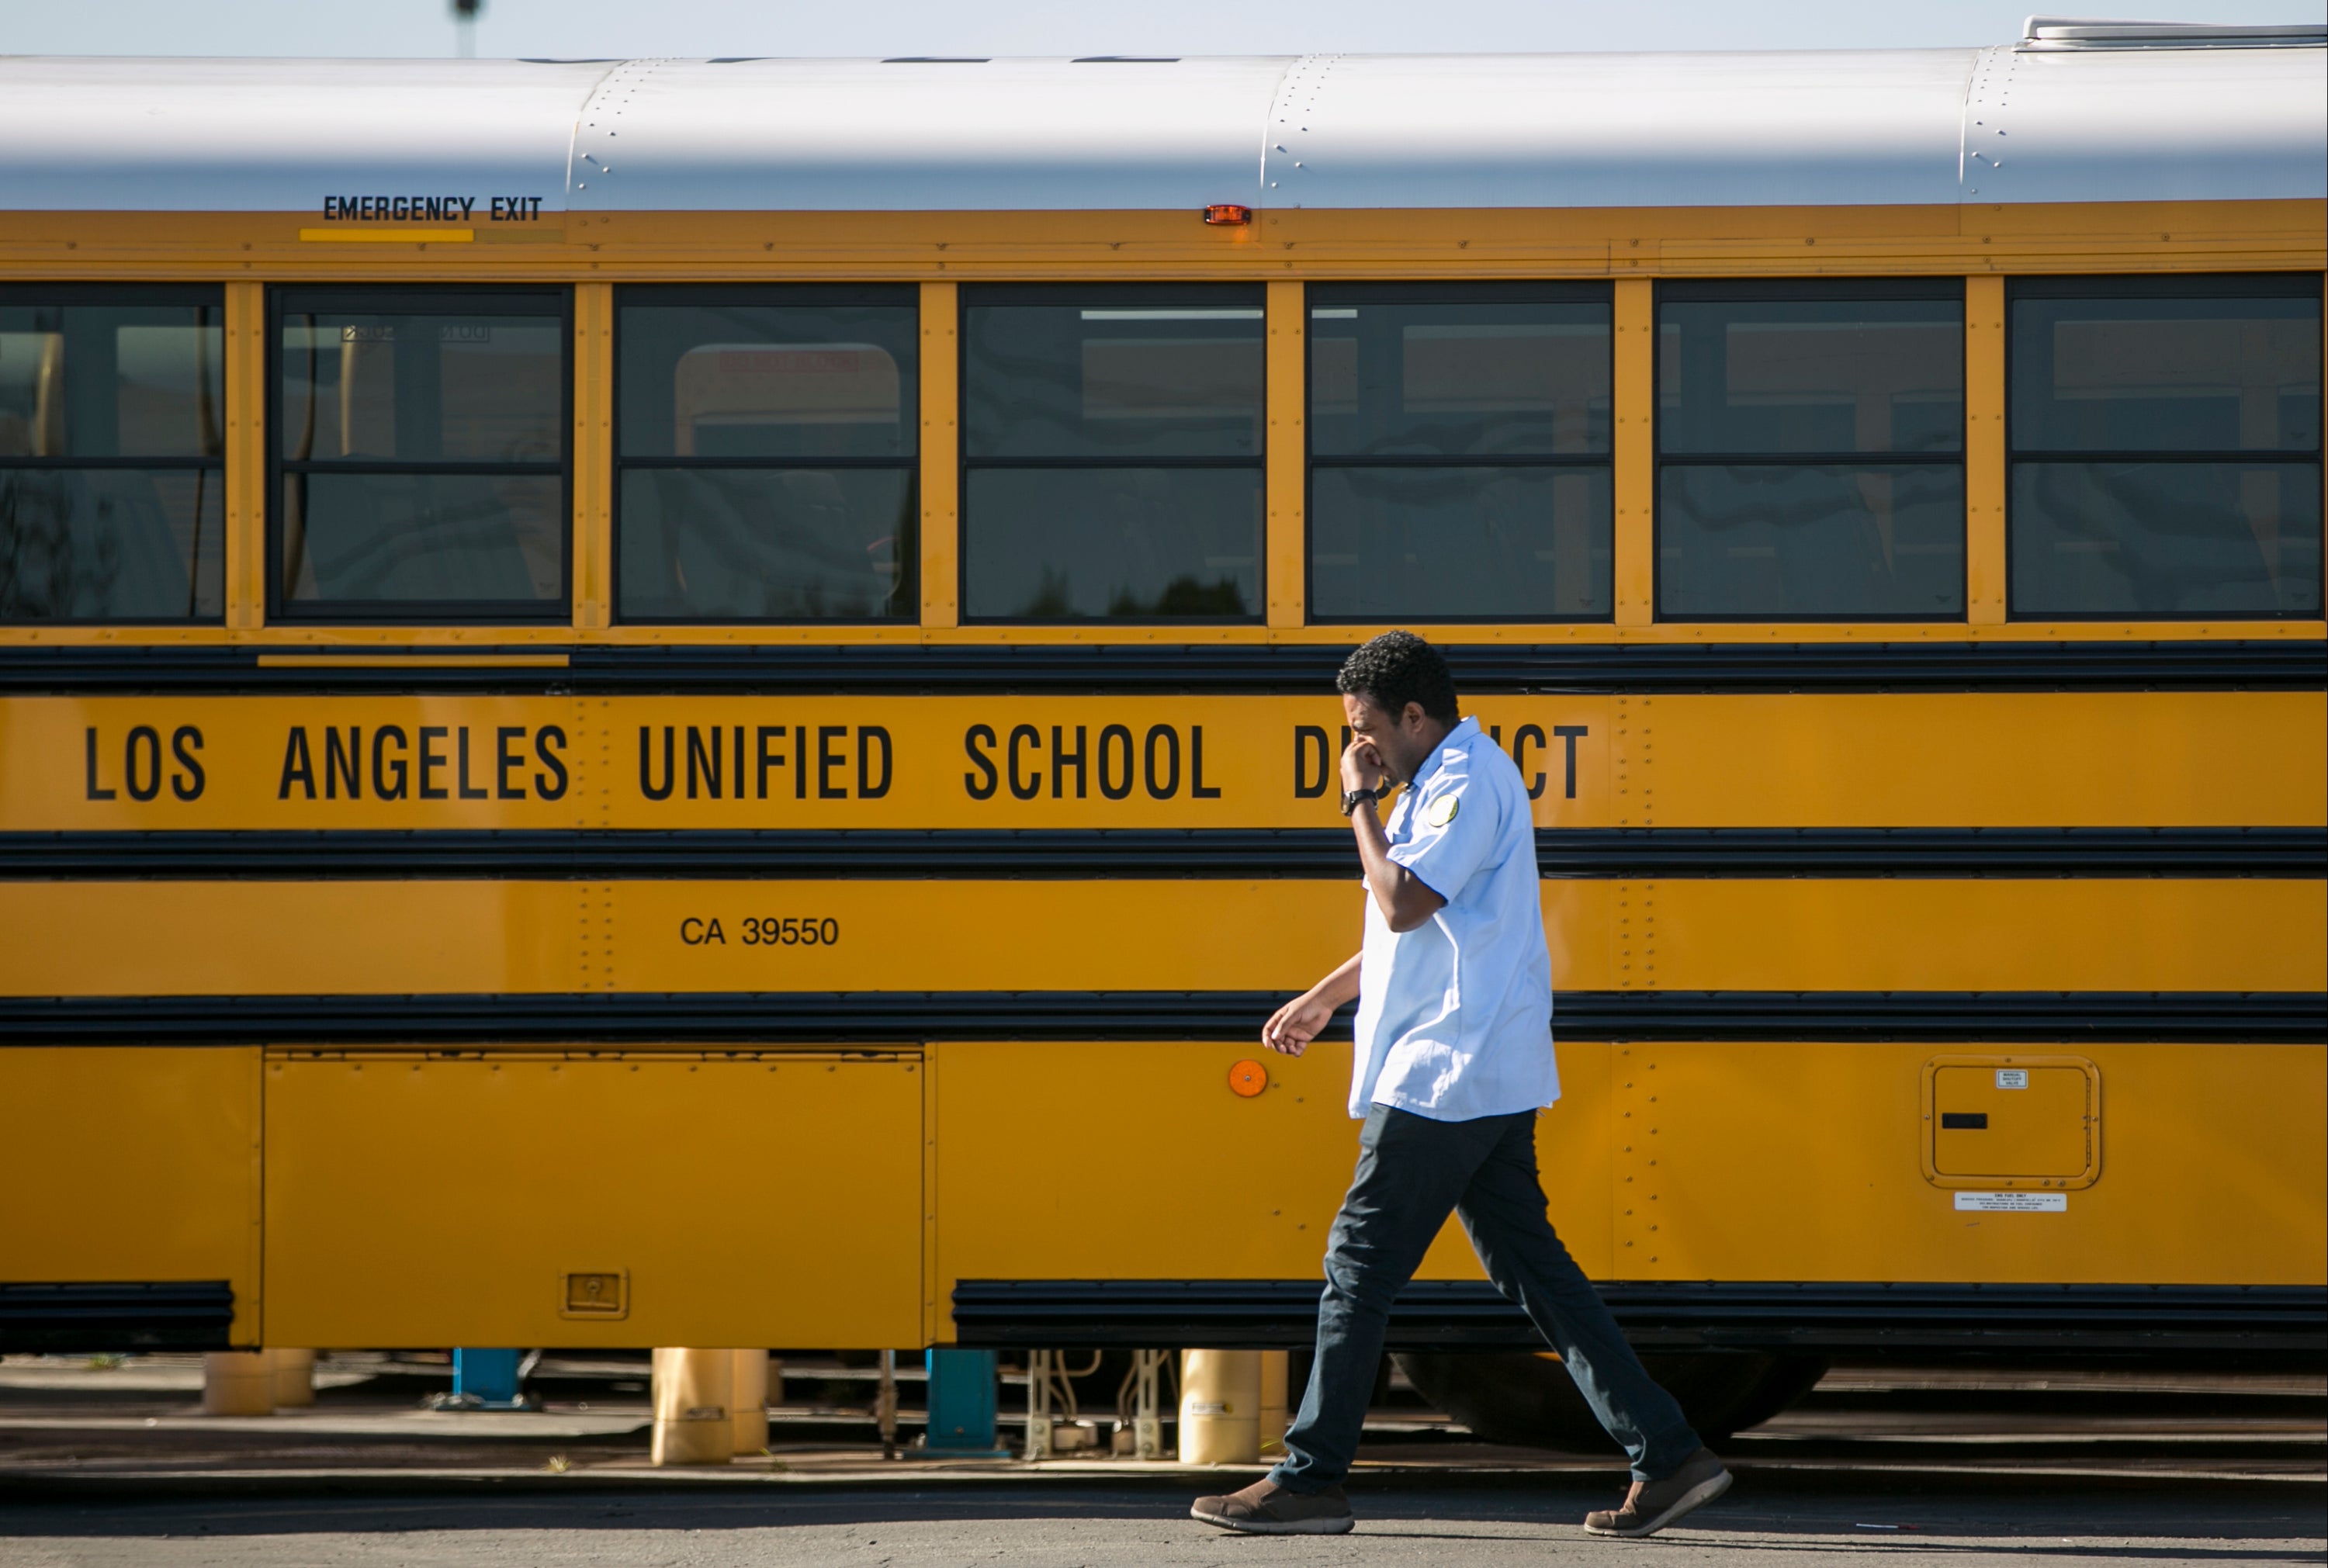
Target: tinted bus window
{"points": [[112, 503], [1112, 453], [420, 441], [764, 453], [2165, 445], [1458, 447], [1810, 451]]}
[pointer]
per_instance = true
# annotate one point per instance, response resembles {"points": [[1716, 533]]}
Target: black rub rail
{"points": [[2286, 1321], [2247, 664], [909, 1018], [1234, 853], [164, 1315]]}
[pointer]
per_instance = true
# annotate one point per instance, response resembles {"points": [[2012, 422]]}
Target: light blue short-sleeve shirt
{"points": [[1455, 1017]]}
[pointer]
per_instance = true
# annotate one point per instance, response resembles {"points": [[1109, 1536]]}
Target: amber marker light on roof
{"points": [[1227, 215]]}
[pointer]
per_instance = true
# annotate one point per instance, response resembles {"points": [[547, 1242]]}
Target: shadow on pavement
{"points": [[2195, 1522]]}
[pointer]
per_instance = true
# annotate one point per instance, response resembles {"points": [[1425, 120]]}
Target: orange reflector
{"points": [[1228, 215], [1247, 1079]]}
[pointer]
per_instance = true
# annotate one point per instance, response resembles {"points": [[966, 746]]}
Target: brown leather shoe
{"points": [[1266, 1508], [1651, 1506]]}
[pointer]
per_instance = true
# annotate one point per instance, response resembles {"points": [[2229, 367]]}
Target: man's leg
{"points": [[1502, 1210], [1411, 1171]]}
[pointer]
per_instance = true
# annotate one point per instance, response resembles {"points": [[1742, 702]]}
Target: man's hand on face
{"points": [[1363, 768]]}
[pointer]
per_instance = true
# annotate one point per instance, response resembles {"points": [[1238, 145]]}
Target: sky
{"points": [[633, 28]]}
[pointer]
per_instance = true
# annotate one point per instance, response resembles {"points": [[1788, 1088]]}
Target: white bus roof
{"points": [[2078, 111]]}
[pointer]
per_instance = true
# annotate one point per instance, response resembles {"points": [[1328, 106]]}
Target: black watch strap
{"points": [[1351, 798]]}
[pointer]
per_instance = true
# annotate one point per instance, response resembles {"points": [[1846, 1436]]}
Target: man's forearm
{"points": [[1406, 902], [1341, 987]]}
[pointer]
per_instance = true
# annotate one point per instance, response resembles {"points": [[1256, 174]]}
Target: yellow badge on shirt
{"points": [[1443, 811]]}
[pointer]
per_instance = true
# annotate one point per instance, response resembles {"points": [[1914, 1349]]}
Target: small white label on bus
{"points": [[2012, 1077], [2013, 1203]]}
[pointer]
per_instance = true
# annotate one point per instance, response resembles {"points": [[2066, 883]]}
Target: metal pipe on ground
{"points": [[1147, 1405], [1038, 1445]]}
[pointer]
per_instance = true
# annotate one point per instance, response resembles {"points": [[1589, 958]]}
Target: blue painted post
{"points": [[490, 1375], [961, 1400]]}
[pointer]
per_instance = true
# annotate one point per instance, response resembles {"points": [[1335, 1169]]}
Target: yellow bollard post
{"points": [[1273, 1404], [238, 1383], [1220, 1407], [693, 1392], [295, 1378], [749, 1392]]}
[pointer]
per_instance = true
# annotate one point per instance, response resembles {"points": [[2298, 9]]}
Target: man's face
{"points": [[1398, 739]]}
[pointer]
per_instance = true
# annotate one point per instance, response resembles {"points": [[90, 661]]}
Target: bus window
{"points": [[2165, 447], [1810, 451], [764, 452], [421, 453], [112, 495], [1458, 452], [1112, 453]]}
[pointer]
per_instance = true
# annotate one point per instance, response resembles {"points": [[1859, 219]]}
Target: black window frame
{"points": [[1163, 295], [419, 298], [908, 295], [2159, 285], [1428, 292], [1712, 291], [68, 294]]}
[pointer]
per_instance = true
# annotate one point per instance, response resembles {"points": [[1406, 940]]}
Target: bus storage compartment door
{"points": [[615, 1199], [2012, 1121], [128, 1198]]}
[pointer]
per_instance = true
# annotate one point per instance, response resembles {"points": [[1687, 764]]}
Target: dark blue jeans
{"points": [[1412, 1172]]}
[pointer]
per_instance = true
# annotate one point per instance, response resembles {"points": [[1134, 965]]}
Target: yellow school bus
{"points": [[690, 702]]}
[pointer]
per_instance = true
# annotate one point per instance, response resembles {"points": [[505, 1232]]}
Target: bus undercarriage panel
{"points": [[625, 1200]]}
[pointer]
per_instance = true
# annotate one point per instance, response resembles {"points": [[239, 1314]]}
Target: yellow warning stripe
{"points": [[389, 236]]}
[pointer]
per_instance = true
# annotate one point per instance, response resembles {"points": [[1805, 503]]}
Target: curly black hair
{"points": [[1398, 668]]}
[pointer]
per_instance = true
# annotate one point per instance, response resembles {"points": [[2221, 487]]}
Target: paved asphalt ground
{"points": [[1104, 1523], [113, 1467]]}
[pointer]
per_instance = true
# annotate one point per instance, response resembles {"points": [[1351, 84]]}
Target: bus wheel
{"points": [[1530, 1400]]}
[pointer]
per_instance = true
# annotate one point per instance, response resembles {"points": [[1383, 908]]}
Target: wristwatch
{"points": [[1351, 798]]}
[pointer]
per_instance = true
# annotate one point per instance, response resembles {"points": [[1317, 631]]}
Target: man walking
{"points": [[1453, 1060]]}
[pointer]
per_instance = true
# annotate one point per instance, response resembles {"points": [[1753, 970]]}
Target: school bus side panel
{"points": [[1125, 1160], [414, 1201], [1802, 1162], [128, 1163]]}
